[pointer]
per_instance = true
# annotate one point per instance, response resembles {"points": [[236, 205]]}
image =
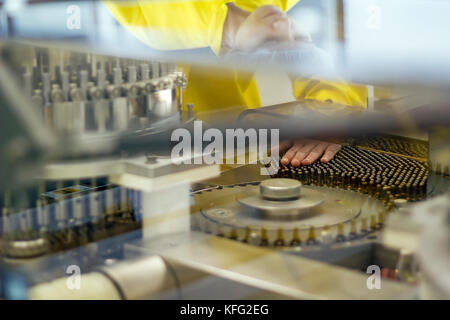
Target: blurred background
{"points": [[89, 102]]}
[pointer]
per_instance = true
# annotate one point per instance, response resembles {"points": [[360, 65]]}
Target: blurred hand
{"points": [[266, 27], [306, 151]]}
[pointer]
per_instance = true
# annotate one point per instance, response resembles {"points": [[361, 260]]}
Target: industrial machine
{"points": [[94, 205]]}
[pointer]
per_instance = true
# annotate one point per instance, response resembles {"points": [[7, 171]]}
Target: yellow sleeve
{"points": [[330, 91], [250, 5], [173, 25], [181, 24]]}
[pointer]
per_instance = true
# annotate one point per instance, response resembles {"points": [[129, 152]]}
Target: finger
{"points": [[330, 152], [274, 19], [302, 153], [281, 147], [315, 153], [289, 155]]}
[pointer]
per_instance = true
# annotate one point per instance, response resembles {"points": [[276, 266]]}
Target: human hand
{"points": [[306, 151], [270, 28]]}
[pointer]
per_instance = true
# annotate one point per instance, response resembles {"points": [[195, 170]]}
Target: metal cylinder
{"points": [[145, 278], [142, 278], [280, 189]]}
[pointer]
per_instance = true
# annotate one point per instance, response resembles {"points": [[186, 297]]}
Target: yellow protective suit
{"points": [[188, 24]]}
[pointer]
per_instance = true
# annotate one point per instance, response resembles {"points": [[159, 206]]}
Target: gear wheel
{"points": [[240, 212]]}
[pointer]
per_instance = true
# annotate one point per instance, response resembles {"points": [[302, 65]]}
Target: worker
{"points": [[228, 27]]}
